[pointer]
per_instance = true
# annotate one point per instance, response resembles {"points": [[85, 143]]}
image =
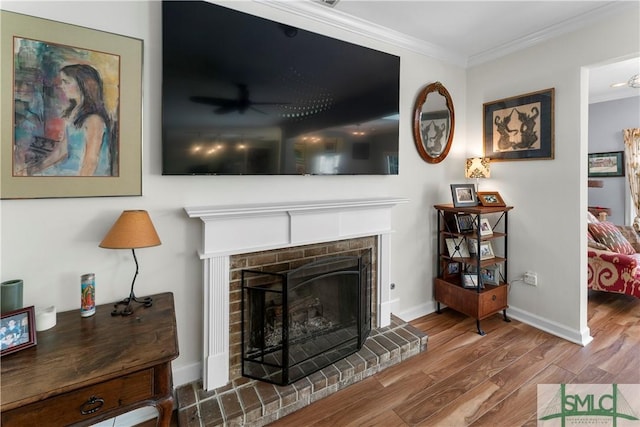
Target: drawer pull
{"points": [[493, 298], [91, 406]]}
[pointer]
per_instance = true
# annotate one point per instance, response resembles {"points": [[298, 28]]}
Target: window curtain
{"points": [[632, 164]]}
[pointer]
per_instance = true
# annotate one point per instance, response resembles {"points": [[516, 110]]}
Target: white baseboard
{"points": [[572, 335]]}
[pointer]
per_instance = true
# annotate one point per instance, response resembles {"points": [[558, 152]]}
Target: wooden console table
{"points": [[85, 370]]}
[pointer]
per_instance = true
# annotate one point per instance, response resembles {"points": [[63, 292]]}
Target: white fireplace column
{"points": [[239, 229]]}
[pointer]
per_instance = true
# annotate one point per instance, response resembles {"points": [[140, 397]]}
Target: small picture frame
{"points": [[606, 164], [486, 251], [17, 330], [464, 195], [464, 223], [471, 281], [485, 227], [457, 247], [490, 198], [490, 275], [451, 269]]}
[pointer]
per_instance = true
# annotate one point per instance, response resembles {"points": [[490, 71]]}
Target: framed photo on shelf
{"points": [[457, 247], [18, 330], [42, 145], [485, 227], [464, 195], [490, 275], [451, 269], [471, 280], [486, 251], [490, 198], [606, 164], [520, 127], [465, 223]]}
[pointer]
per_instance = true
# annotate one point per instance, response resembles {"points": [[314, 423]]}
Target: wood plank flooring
{"points": [[464, 379]]}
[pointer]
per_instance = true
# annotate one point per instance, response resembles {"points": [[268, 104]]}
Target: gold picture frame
{"points": [[37, 115]]}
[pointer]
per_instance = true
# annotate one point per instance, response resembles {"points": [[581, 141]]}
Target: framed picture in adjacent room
{"points": [[17, 330], [520, 127], [606, 164], [76, 97]]}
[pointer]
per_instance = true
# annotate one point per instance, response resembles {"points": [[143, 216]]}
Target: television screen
{"points": [[244, 95]]}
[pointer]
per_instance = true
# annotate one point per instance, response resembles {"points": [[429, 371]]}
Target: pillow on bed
{"points": [[608, 234], [591, 218]]}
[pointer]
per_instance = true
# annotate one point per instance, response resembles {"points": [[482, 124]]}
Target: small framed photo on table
{"points": [[464, 195], [17, 330], [490, 198]]}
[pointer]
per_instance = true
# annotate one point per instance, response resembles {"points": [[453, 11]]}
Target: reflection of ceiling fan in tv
{"points": [[240, 104]]}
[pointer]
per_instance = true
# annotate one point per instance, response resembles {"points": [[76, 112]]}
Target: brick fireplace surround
{"points": [[248, 235]]}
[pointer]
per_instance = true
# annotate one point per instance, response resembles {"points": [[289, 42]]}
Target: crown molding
{"points": [[553, 31], [326, 15], [322, 13]]}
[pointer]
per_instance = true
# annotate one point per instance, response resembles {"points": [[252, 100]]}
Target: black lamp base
{"points": [[128, 309]]}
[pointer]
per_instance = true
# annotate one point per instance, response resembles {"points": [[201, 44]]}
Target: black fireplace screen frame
{"points": [[297, 322]]}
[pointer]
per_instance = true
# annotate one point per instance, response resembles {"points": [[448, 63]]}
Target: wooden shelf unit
{"points": [[482, 301]]}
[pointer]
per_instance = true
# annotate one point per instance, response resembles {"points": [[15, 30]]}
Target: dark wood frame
{"points": [[436, 87], [462, 204], [482, 198], [619, 157], [29, 312], [541, 107]]}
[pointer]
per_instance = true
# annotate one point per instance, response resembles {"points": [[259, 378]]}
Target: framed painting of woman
{"points": [[76, 97]]}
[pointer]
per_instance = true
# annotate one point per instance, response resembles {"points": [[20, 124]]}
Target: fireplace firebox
{"points": [[297, 322]]}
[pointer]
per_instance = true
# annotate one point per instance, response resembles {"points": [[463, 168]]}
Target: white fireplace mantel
{"points": [[238, 229]]}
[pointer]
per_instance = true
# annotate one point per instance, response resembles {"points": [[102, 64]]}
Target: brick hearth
{"points": [[250, 402]]}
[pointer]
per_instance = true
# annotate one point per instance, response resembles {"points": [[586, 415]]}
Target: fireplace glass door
{"points": [[297, 322]]}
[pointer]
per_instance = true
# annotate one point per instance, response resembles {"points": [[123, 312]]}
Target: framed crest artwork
{"points": [[76, 98], [520, 127]]}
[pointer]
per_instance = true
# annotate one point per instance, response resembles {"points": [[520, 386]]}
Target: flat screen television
{"points": [[244, 95]]}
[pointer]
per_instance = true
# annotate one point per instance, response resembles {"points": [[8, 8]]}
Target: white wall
{"points": [[50, 243], [548, 224], [606, 122]]}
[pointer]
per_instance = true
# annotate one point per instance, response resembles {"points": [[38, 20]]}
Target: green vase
{"points": [[10, 295]]}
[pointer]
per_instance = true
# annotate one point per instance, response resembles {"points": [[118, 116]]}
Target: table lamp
{"points": [[132, 230], [477, 167]]}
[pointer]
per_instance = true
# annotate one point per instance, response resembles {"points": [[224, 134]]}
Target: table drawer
{"points": [[93, 400]]}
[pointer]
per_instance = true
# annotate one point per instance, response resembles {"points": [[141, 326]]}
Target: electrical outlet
{"points": [[530, 278]]}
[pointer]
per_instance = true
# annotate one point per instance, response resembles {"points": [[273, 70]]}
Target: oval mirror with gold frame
{"points": [[433, 123]]}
